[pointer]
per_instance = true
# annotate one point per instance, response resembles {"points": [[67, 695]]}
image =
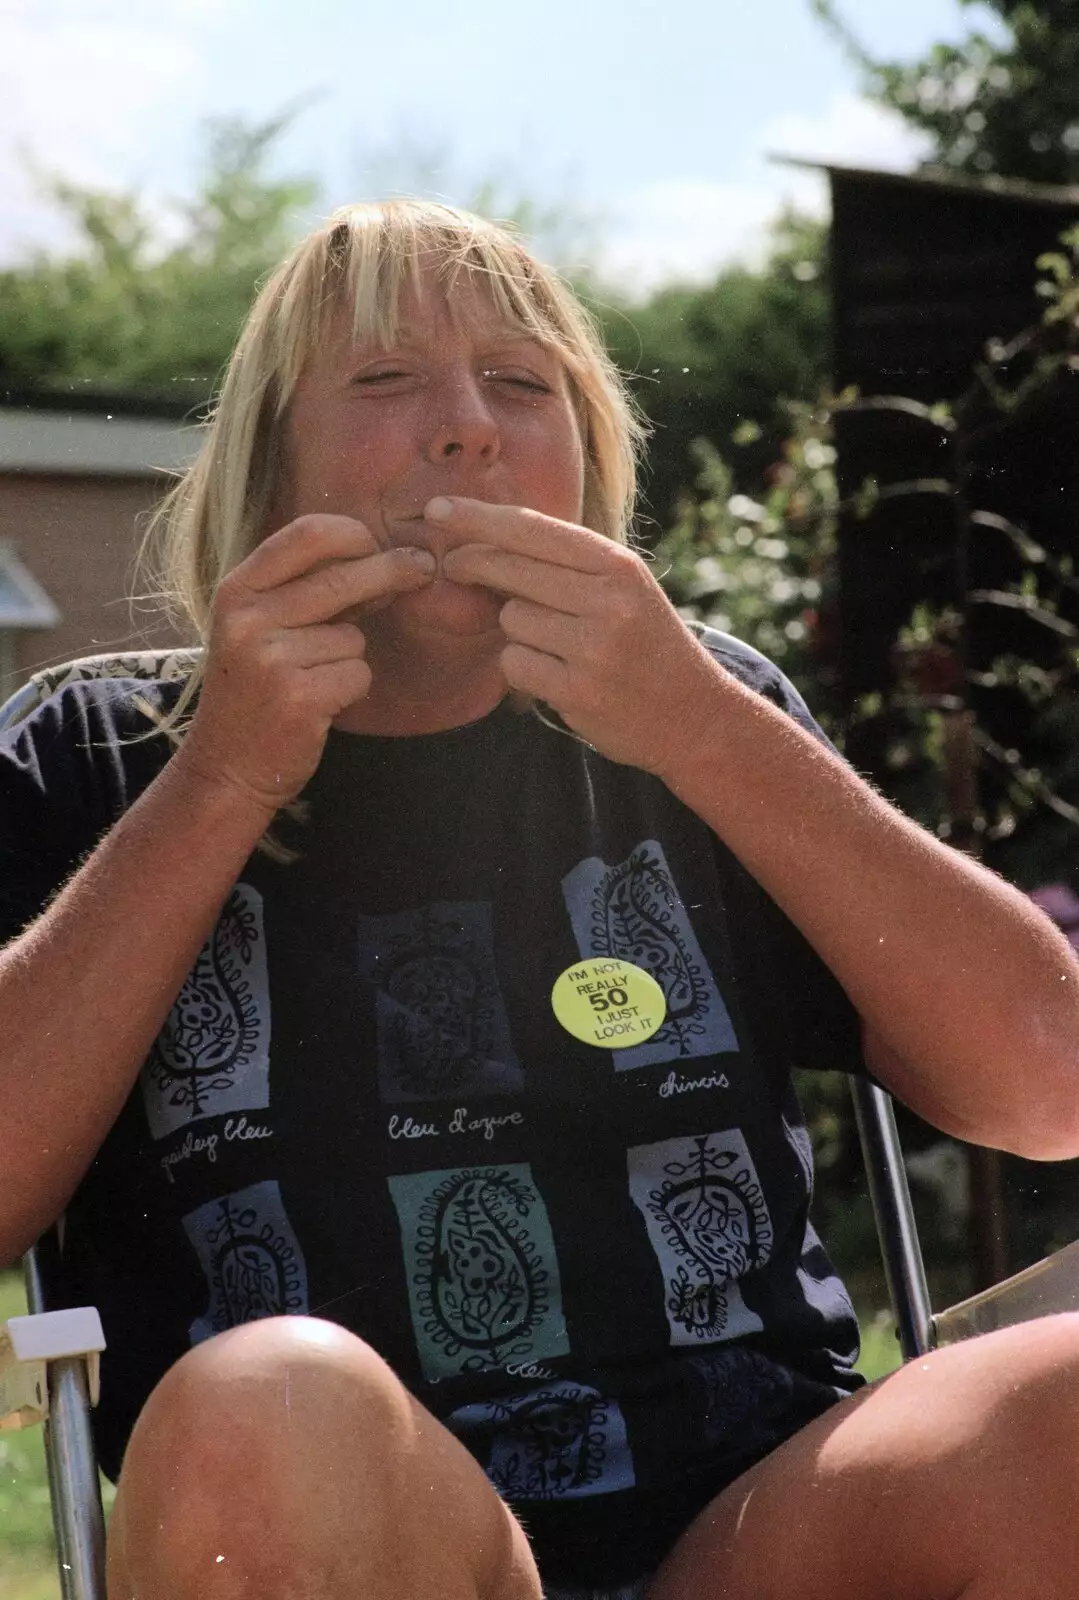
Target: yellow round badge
{"points": [[609, 1003]]}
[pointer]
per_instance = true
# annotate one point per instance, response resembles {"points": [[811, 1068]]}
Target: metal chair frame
{"points": [[1051, 1285]]}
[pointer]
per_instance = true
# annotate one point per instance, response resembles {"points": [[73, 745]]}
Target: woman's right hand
{"points": [[279, 667]]}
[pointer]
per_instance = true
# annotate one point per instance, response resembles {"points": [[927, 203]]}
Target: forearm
{"points": [[971, 990], [85, 989]]}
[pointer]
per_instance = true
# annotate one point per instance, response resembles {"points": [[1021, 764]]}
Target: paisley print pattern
{"points": [[442, 1026], [634, 911], [484, 1285], [559, 1442], [213, 1054], [708, 1224], [251, 1258]]}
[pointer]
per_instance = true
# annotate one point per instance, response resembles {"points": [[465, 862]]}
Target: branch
{"points": [[1027, 548], [1032, 782], [1028, 605]]}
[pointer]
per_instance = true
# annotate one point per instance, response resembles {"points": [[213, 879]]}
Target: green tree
{"points": [[703, 360], [152, 303], [1006, 105], [144, 304], [759, 566]]}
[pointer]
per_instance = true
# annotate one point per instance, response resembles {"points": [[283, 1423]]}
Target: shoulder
{"points": [[757, 672], [68, 770], [89, 728]]}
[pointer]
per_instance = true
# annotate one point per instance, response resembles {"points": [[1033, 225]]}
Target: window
{"points": [[23, 604]]}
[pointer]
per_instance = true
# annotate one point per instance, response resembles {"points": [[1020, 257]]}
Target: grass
{"points": [[27, 1556], [880, 1347]]}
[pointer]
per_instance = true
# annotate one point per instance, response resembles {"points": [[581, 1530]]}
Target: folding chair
{"points": [[1039, 1290], [48, 1360]]}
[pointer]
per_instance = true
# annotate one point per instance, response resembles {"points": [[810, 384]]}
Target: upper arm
{"points": [[895, 1074]]}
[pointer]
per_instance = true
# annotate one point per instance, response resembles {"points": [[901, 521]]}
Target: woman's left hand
{"points": [[588, 629]]}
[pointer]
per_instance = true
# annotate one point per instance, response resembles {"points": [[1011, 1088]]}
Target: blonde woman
{"points": [[409, 1043]]}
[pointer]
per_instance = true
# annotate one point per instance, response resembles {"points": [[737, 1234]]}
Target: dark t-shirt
{"points": [[594, 1264]]}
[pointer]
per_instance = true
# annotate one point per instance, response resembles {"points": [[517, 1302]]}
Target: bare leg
{"points": [[955, 1479], [285, 1461]]}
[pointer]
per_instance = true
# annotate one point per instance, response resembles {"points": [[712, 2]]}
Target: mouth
{"points": [[414, 529]]}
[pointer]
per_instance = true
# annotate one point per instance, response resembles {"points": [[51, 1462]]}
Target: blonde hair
{"points": [[366, 254], [217, 512]]}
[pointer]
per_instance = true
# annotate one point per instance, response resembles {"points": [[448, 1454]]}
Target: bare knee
{"points": [[238, 1454], [270, 1461], [1039, 1402], [957, 1475]]}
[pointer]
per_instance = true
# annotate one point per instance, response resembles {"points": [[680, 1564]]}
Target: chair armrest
{"points": [[1048, 1286], [28, 1344]]}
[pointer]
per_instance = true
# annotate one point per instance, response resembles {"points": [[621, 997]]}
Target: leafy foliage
{"points": [[760, 563], [128, 311], [705, 359], [1009, 108], [758, 566]]}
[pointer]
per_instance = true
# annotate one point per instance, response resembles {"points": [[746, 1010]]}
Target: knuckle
{"points": [[232, 591], [311, 525], [288, 693], [625, 559], [237, 627], [620, 604], [335, 581], [307, 522], [594, 649]]}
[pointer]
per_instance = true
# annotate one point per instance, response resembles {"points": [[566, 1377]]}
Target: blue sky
{"points": [[649, 119]]}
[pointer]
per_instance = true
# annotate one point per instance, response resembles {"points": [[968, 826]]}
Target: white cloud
{"points": [[80, 83], [849, 131], [688, 228], [683, 229]]}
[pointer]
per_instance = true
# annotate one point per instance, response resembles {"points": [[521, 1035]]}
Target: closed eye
{"points": [[518, 381], [386, 376]]}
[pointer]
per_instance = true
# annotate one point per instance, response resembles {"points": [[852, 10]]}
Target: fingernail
{"points": [[422, 558], [439, 509]]}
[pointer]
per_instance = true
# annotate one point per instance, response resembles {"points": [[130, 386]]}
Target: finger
{"points": [[551, 632], [338, 684], [296, 548], [344, 585], [318, 644], [528, 532], [536, 673], [527, 577]]}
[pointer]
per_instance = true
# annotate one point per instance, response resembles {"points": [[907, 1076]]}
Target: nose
{"points": [[463, 426]]}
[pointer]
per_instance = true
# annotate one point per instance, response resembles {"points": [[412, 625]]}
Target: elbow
{"points": [[1047, 1126], [1044, 1144], [12, 1251]]}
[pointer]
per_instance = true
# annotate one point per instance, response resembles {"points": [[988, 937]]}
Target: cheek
{"points": [[555, 471], [338, 471]]}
